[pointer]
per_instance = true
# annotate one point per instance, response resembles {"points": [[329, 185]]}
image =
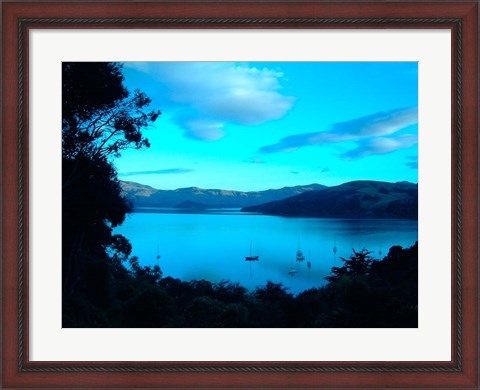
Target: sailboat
{"points": [[293, 271], [300, 256], [251, 258]]}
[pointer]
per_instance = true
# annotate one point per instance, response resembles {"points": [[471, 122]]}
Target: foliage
{"points": [[99, 119], [358, 264], [380, 294], [371, 293], [100, 116]]}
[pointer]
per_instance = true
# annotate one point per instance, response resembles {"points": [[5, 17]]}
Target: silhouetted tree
{"points": [[370, 293], [271, 305], [358, 264], [382, 294], [100, 118]]}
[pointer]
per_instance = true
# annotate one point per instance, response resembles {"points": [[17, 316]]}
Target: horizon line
{"points": [[268, 189]]}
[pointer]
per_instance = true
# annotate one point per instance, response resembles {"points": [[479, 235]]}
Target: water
{"points": [[212, 245]]}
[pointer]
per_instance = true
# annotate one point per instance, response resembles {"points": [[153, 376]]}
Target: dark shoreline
{"points": [[363, 293]]}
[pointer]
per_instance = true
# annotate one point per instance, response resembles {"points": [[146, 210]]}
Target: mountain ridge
{"points": [[141, 195], [356, 199]]}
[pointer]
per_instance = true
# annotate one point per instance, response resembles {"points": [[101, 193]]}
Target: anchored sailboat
{"points": [[300, 256], [251, 258], [293, 271], [335, 250]]}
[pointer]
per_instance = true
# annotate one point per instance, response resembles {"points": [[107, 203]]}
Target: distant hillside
{"points": [[356, 199], [193, 197]]}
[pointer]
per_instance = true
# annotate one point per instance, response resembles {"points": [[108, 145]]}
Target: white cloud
{"points": [[205, 130], [378, 124], [413, 162], [380, 145], [217, 93], [157, 172]]}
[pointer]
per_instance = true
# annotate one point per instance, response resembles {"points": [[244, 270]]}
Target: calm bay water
{"points": [[213, 245]]}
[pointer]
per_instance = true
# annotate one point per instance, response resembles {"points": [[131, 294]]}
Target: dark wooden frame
{"points": [[460, 17]]}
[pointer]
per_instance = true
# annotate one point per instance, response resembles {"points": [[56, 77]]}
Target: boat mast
{"points": [[309, 263], [334, 251], [250, 259]]}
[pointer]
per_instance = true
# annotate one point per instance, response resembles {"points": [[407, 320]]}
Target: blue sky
{"points": [[260, 125]]}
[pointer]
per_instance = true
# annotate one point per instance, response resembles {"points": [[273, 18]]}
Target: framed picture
{"points": [[273, 194]]}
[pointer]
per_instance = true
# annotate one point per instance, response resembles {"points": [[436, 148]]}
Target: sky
{"points": [[260, 125]]}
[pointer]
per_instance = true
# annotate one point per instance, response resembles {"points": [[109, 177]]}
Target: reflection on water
{"points": [[212, 245]]}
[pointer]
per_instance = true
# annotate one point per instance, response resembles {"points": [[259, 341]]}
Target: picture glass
{"points": [[240, 195]]}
